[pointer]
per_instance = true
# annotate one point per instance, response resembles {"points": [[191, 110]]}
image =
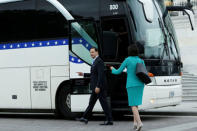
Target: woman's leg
{"points": [[136, 115], [134, 121]]}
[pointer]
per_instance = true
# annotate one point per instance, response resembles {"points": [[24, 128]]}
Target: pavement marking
{"points": [[180, 127]]}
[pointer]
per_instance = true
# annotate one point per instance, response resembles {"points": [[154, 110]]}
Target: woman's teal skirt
{"points": [[135, 95]]}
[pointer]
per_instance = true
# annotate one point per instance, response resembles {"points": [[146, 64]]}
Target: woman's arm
{"points": [[143, 63], [121, 68]]}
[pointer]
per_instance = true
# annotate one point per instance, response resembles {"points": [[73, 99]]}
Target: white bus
{"points": [[43, 43]]}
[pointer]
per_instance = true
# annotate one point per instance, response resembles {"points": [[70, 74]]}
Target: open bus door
{"points": [[82, 37], [115, 39]]}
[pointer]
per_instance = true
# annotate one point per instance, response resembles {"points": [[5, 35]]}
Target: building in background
{"points": [[169, 2], [182, 3]]}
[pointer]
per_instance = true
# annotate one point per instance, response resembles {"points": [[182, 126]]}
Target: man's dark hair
{"points": [[133, 50], [94, 49]]}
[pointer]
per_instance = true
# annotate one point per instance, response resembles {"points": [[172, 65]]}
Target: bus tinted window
{"points": [[17, 21], [20, 5], [27, 20], [50, 22]]}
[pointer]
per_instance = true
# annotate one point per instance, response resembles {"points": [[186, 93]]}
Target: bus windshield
{"points": [[150, 33], [158, 43]]}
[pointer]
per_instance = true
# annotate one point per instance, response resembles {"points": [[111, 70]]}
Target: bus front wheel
{"points": [[64, 102]]}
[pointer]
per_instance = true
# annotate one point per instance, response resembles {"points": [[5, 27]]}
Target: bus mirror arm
{"points": [[191, 17], [185, 9], [175, 8]]}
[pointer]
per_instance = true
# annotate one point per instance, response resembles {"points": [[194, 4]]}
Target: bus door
{"points": [[82, 37], [115, 38], [115, 41]]}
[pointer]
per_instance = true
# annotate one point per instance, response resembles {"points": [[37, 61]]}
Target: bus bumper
{"points": [[161, 96]]}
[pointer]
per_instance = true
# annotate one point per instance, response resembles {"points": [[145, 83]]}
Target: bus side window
{"points": [[50, 22], [20, 25]]}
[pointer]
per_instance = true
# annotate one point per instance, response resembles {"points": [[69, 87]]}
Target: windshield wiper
{"points": [[165, 49], [171, 39]]}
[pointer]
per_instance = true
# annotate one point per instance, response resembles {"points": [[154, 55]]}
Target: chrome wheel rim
{"points": [[68, 101]]}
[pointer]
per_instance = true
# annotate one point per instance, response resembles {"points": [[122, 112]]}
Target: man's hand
{"points": [[97, 90], [80, 73]]}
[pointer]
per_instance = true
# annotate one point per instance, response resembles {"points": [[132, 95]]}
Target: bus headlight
{"points": [[152, 101]]}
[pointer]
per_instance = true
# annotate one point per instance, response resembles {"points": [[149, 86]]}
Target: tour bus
{"points": [[44, 43]]}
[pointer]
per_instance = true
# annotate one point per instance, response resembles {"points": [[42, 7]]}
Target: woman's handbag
{"points": [[142, 73]]}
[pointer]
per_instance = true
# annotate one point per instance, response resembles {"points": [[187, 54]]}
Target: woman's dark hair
{"points": [[133, 49]]}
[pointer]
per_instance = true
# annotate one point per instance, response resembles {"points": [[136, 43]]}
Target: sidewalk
{"points": [[185, 108]]}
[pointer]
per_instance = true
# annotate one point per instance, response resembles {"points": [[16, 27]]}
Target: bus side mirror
{"points": [[185, 9], [148, 9]]}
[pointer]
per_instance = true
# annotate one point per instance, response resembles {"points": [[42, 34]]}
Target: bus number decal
{"points": [[113, 7]]}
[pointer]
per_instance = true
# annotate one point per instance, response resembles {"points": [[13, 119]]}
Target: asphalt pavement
{"points": [[183, 109], [48, 122], [176, 118]]}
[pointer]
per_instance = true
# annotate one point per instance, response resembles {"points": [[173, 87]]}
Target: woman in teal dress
{"points": [[134, 86]]}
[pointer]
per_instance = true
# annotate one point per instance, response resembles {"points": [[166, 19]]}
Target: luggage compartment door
{"points": [[40, 88]]}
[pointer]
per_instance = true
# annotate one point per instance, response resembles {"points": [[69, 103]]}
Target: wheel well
{"points": [[63, 84]]}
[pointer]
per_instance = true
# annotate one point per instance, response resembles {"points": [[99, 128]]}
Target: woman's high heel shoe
{"points": [[134, 126], [139, 127]]}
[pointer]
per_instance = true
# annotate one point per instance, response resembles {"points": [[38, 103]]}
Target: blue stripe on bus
{"points": [[33, 44], [75, 60]]}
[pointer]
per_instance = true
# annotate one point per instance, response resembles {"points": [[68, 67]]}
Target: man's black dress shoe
{"points": [[107, 123], [82, 120]]}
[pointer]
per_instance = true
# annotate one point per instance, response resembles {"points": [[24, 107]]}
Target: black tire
{"points": [[64, 103]]}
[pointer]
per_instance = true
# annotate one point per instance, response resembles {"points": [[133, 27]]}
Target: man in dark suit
{"points": [[98, 87]]}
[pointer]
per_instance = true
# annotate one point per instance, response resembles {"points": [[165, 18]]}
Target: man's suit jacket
{"points": [[97, 77]]}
